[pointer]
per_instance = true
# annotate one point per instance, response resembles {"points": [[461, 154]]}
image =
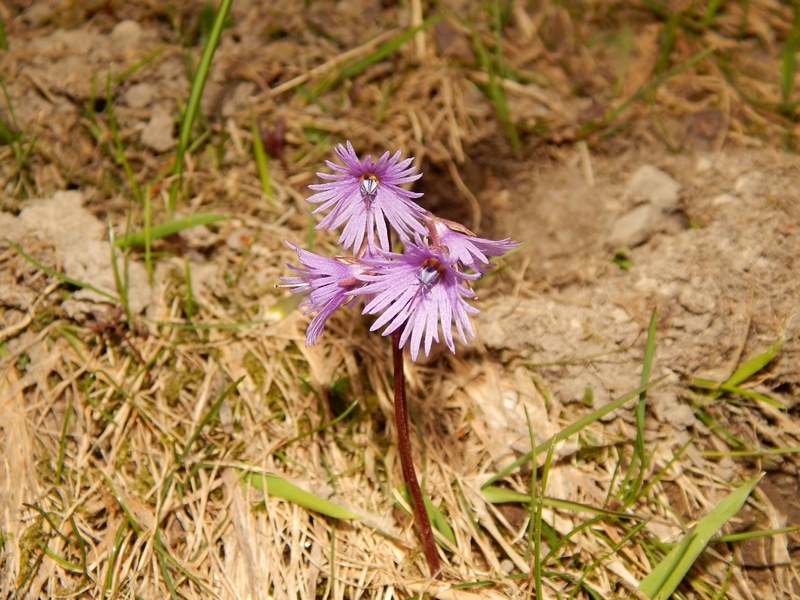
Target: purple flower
{"points": [[464, 246], [328, 283], [421, 290], [363, 195]]}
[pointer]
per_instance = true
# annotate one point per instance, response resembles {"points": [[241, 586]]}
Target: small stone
{"points": [[669, 409], [126, 33], [697, 301], [703, 165], [653, 185], [139, 95], [158, 133], [636, 226]]}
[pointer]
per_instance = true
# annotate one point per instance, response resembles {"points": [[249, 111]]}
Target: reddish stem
{"points": [[404, 447]]}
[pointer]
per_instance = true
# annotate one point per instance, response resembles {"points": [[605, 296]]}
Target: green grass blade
{"points": [[497, 95], [669, 573], [191, 302], [501, 495], [534, 499], [572, 429], [60, 276], [280, 488], [718, 429], [438, 520], [139, 238], [137, 66], [752, 366], [68, 333], [9, 129], [193, 106], [753, 395], [537, 505], [788, 57], [162, 566], [636, 470], [668, 37], [644, 91], [755, 452], [751, 535], [712, 11], [211, 414], [353, 68], [62, 441], [262, 163], [108, 580], [120, 281], [327, 425], [118, 152], [148, 235]]}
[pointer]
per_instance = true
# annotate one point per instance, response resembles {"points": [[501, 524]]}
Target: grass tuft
{"points": [[196, 93]]}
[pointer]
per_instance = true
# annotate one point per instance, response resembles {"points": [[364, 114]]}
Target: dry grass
{"points": [[124, 440]]}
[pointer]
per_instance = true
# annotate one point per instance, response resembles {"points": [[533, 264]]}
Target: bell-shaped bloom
{"points": [[464, 246], [328, 283], [365, 195], [420, 290]]}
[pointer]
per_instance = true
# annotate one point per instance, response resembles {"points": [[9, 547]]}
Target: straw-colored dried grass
{"points": [[95, 412]]}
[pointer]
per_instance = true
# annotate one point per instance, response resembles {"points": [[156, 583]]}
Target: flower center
{"points": [[368, 185], [429, 272]]}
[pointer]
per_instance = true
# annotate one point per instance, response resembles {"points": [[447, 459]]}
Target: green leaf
{"points": [[139, 238], [280, 488], [438, 520], [752, 366], [669, 573], [501, 495]]}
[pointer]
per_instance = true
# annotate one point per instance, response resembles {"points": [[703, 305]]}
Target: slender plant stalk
{"points": [[404, 446]]}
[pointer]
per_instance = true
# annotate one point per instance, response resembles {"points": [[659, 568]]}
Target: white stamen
{"points": [[289, 286], [428, 275], [368, 186]]}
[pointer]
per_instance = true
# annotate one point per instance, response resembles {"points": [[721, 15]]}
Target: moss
{"points": [[175, 384], [143, 483], [31, 547], [255, 369]]}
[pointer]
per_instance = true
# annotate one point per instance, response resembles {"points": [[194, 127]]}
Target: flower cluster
{"points": [[424, 289]]}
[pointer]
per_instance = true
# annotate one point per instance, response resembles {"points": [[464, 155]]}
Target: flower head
{"points": [[327, 282], [363, 195], [421, 290], [464, 246]]}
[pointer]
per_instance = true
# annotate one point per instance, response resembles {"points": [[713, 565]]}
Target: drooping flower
{"points": [[464, 246], [365, 195], [328, 283], [420, 290]]}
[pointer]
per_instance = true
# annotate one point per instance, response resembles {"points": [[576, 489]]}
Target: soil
{"points": [[706, 238]]}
